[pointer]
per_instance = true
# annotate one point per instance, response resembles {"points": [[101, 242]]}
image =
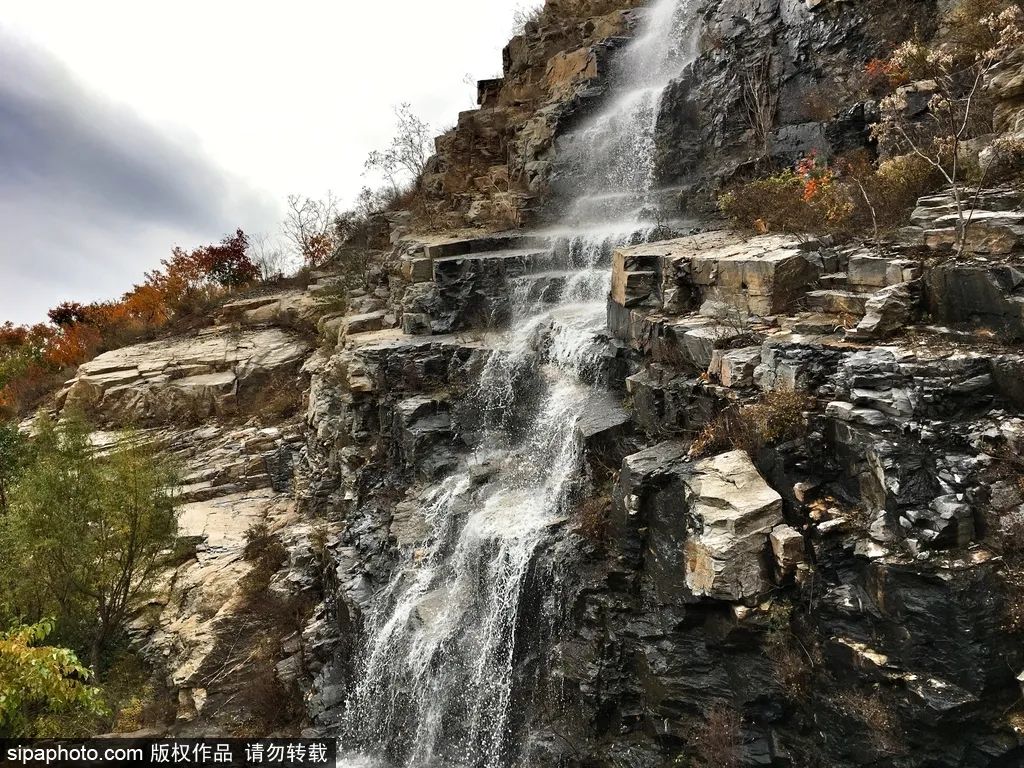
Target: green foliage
{"points": [[790, 202], [84, 533], [12, 454], [36, 681]]}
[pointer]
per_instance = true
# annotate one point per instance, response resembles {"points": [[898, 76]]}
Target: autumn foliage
{"points": [[34, 358], [842, 196]]}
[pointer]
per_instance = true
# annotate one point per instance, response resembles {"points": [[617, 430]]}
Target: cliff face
{"points": [[807, 57], [785, 499]]}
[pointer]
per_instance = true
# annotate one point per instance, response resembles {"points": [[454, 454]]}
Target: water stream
{"points": [[436, 682]]}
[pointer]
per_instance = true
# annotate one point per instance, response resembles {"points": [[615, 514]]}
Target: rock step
{"points": [[481, 245], [933, 207], [834, 281], [511, 263], [817, 324], [867, 273], [837, 302]]}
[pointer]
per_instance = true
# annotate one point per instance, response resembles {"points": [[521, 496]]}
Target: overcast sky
{"points": [[129, 127]]}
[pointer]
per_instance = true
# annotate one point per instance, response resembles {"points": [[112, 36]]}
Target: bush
{"points": [[1004, 160], [38, 681], [877, 716], [777, 418], [266, 553], [716, 742], [592, 518], [34, 360], [805, 200], [274, 400], [84, 533], [841, 198], [895, 187], [975, 27]]}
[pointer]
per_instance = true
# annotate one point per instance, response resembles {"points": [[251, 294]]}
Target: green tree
{"points": [[85, 530], [36, 680], [12, 450]]}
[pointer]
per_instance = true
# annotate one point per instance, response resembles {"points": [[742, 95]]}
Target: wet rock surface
{"points": [[803, 584]]}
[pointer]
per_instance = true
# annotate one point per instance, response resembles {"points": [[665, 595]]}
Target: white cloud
{"points": [[247, 102]]}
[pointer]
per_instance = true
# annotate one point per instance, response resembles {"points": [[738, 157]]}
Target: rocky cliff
{"points": [[792, 536]]}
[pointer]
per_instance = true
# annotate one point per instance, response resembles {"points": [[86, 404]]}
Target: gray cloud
{"points": [[91, 195]]}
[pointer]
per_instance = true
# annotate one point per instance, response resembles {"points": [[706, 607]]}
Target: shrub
{"points": [[804, 200], [33, 359], [959, 109], [778, 417], [897, 185], [872, 711], [716, 741], [1004, 160], [524, 15], [258, 539], [833, 199], [975, 27], [277, 398], [266, 553], [84, 532], [37, 680], [592, 518], [13, 455]]}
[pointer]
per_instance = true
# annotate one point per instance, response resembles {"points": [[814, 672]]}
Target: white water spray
{"points": [[436, 683]]}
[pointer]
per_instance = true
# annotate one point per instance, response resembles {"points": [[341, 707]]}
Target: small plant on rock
{"points": [[778, 417], [946, 106], [716, 742]]}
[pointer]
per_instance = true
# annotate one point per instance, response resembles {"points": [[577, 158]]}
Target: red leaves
{"points": [[31, 355], [886, 72]]}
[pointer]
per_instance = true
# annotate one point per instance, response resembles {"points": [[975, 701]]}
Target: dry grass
{"points": [[592, 519], [876, 715], [249, 645], [716, 743], [279, 398], [776, 418]]}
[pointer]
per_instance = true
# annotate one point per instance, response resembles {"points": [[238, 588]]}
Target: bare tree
{"points": [[761, 100], [953, 78], [270, 256], [524, 14], [939, 137], [404, 159], [309, 226]]}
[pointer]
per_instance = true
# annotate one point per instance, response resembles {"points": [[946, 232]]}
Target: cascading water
{"points": [[436, 680], [609, 161]]}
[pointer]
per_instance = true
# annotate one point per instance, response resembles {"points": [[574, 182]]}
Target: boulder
{"points": [[887, 311], [978, 293], [182, 378], [732, 512], [759, 275], [703, 526], [788, 549]]}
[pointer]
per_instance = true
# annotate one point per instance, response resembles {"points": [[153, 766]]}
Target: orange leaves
{"points": [[816, 176], [32, 357], [144, 304], [218, 267], [73, 346], [886, 72], [318, 249]]}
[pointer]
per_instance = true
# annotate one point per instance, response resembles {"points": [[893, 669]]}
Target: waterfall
{"points": [[436, 680]]}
